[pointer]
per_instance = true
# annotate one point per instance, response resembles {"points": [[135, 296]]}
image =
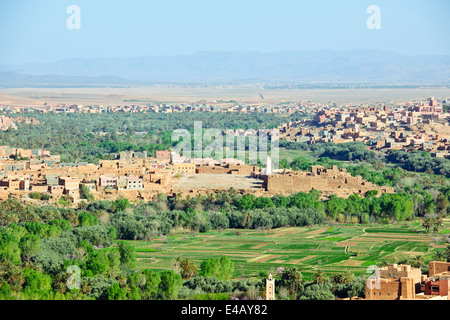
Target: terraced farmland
{"points": [[330, 249]]}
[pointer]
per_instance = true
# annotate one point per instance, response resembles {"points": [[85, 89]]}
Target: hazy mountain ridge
{"points": [[354, 65]]}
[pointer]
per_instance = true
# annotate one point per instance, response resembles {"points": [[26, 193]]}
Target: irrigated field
{"points": [[291, 155], [330, 249]]}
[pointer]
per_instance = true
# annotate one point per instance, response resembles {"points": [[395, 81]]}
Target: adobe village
{"points": [[137, 177]]}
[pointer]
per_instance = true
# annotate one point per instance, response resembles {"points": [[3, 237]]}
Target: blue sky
{"points": [[35, 31]]}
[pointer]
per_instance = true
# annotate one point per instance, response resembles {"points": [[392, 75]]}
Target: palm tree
{"points": [[60, 282], [338, 278], [80, 254], [437, 223], [122, 280], [85, 287], [187, 269], [382, 264], [15, 277], [439, 256], [441, 205], [427, 224], [417, 261], [320, 277], [291, 276], [346, 277]]}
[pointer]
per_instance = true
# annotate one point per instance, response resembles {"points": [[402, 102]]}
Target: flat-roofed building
{"points": [[134, 183], [69, 183], [107, 181], [121, 183], [160, 154], [184, 168]]}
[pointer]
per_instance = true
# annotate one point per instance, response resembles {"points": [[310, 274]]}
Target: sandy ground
{"points": [[216, 181], [318, 231], [18, 100], [180, 94]]}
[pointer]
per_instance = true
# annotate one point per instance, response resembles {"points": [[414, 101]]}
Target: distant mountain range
{"points": [[286, 66]]}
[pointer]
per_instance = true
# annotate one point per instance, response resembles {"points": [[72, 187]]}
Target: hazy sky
{"points": [[36, 31]]}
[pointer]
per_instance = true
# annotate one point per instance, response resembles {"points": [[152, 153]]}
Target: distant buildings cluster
{"points": [[409, 127], [215, 106], [11, 123]]}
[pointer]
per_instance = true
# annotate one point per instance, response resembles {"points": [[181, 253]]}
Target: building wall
{"points": [[390, 289], [407, 288], [52, 179], [339, 182], [70, 184], [107, 181], [56, 190], [184, 168], [382, 289], [162, 154], [39, 188], [401, 271], [134, 183], [436, 267], [437, 287]]}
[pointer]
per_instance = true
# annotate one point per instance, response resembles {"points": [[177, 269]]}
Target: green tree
{"points": [[9, 248], [150, 287], [427, 224], [36, 282], [291, 277], [128, 256], [227, 268], [437, 223], [187, 269], [98, 263], [439, 256], [417, 261], [115, 292], [87, 219], [121, 204], [85, 193], [170, 285], [441, 205], [222, 268], [246, 202], [29, 245], [320, 277], [345, 277]]}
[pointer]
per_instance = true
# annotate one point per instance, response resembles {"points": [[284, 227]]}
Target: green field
{"points": [[290, 155], [330, 249], [283, 153]]}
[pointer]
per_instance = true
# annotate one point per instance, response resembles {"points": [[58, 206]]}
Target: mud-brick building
{"points": [[394, 282], [438, 283], [439, 268], [402, 282], [328, 181], [239, 169]]}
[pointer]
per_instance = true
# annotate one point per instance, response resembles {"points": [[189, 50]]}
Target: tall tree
{"points": [[320, 277], [170, 285], [291, 277]]}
